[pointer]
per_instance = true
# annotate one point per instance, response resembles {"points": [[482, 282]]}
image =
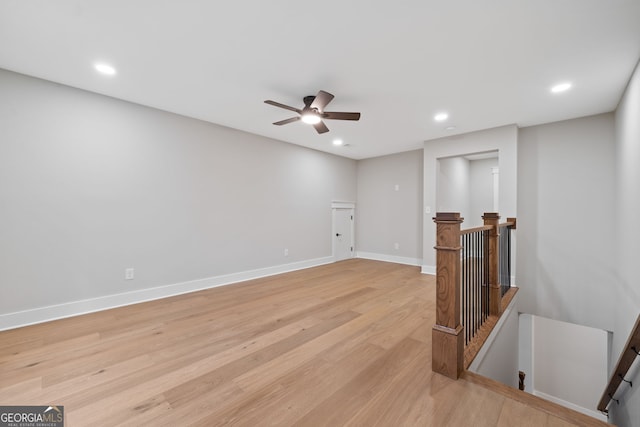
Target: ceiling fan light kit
{"points": [[311, 118], [313, 112]]}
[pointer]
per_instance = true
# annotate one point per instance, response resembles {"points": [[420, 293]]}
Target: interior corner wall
{"points": [[389, 207], [626, 288], [569, 363], [480, 189], [91, 185], [566, 228], [453, 183], [498, 357], [502, 139]]}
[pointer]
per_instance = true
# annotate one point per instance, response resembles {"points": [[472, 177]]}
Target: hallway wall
{"points": [[91, 185], [626, 291], [566, 195]]}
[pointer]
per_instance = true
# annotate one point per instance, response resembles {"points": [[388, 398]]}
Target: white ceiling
{"points": [[487, 63]]}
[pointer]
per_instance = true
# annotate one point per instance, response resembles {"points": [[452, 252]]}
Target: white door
{"points": [[342, 234]]}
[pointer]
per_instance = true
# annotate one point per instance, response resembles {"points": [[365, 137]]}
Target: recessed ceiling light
{"points": [[450, 128], [561, 87], [441, 117], [105, 69], [337, 142]]}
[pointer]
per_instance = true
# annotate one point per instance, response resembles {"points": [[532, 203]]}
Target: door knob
{"points": [[338, 234]]}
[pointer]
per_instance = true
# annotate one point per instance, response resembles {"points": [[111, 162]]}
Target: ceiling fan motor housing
{"points": [[308, 100]]}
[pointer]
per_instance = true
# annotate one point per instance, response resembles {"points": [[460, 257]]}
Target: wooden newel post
{"points": [[495, 297], [447, 336]]}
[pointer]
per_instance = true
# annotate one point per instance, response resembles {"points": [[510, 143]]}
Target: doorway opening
{"points": [[468, 184]]}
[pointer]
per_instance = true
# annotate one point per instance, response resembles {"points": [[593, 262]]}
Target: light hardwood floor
{"points": [[342, 344]]}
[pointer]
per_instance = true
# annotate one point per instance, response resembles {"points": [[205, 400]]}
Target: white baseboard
{"points": [[425, 269], [594, 414], [429, 269], [389, 258], [75, 308]]}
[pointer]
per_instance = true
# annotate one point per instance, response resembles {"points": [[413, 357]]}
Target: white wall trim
{"points": [[343, 205], [594, 414], [389, 258], [75, 308], [429, 269]]}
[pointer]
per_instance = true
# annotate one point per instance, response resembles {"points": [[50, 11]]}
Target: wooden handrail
{"points": [[476, 229], [628, 355], [511, 223]]}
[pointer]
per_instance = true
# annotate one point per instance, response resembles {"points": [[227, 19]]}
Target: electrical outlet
{"points": [[396, 246], [286, 252], [129, 274], [427, 209]]}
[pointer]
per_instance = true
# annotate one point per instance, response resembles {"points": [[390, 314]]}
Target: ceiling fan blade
{"points": [[286, 107], [321, 127], [284, 122], [334, 115], [322, 99]]}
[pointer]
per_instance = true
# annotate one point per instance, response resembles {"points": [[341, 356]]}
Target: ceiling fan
{"points": [[313, 112]]}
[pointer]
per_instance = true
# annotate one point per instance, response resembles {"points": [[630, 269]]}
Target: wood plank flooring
{"points": [[346, 344]]}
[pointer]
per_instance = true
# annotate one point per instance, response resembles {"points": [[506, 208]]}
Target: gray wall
{"points": [[480, 190], [90, 185], [566, 248], [453, 186], [569, 364], [566, 227], [466, 186], [385, 216], [498, 358], [626, 287]]}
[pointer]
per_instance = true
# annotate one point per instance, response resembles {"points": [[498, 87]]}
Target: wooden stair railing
{"points": [[450, 354], [630, 351], [447, 337], [493, 219]]}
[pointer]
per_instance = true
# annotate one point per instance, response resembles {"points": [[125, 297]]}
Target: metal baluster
{"points": [[473, 304], [509, 256], [484, 276], [476, 296], [467, 308], [464, 289], [470, 286]]}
